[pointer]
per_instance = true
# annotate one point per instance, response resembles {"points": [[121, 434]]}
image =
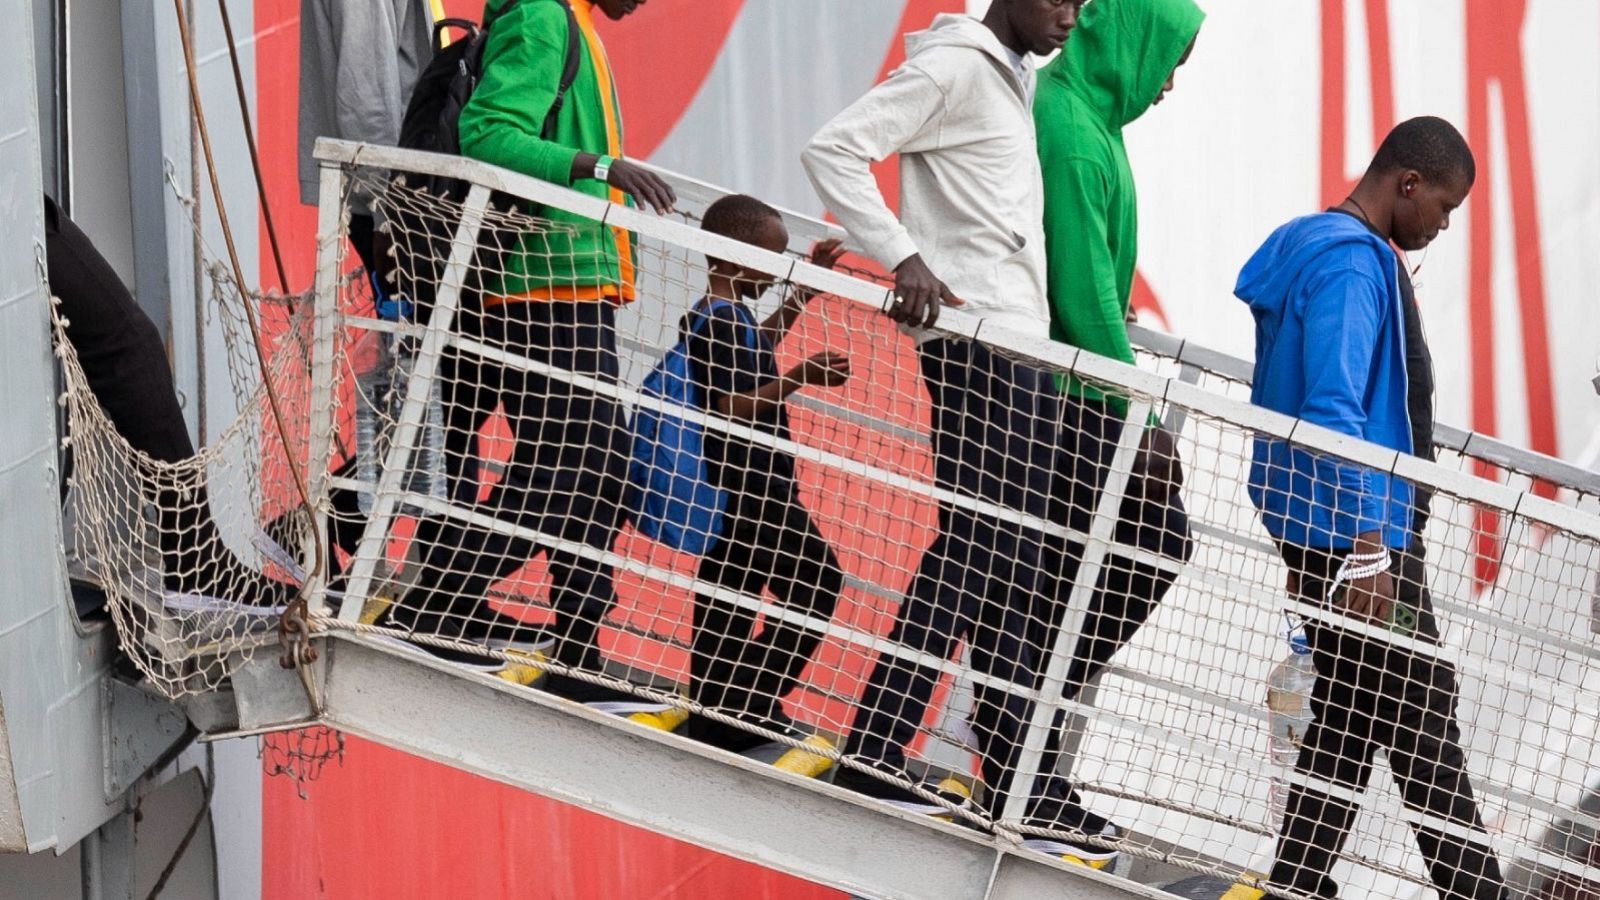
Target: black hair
{"points": [[738, 216], [1431, 146]]}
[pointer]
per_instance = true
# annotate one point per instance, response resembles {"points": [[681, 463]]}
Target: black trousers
{"points": [[768, 542], [566, 479], [1126, 593], [994, 438], [125, 362], [1371, 695], [363, 232]]}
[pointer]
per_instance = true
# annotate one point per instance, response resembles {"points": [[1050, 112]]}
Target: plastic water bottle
{"points": [[385, 364], [1288, 717]]}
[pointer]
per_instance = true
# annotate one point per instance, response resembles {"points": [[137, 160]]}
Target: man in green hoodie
{"points": [[554, 301], [1119, 64]]}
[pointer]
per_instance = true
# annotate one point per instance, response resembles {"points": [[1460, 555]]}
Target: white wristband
{"points": [[1362, 565]]}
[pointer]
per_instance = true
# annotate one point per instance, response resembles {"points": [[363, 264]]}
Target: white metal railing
{"points": [[1174, 745]]}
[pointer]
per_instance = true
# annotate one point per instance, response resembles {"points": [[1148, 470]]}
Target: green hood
{"points": [[1113, 67], [1122, 51]]}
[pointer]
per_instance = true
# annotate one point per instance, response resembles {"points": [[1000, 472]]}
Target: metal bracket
{"points": [[270, 697], [139, 728]]}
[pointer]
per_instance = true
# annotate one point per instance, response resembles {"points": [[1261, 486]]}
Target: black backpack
{"points": [[421, 237]]}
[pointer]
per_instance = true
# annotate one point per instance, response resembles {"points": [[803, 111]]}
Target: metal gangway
{"points": [[1171, 742]]}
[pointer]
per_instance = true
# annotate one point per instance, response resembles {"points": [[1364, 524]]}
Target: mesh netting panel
{"points": [[300, 755], [192, 581], [947, 560]]}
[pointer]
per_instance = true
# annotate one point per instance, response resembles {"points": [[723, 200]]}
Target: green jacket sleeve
{"points": [[1085, 307], [522, 66]]}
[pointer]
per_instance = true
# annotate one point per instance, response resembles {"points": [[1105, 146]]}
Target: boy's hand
{"points": [[825, 369], [645, 186], [827, 253], [918, 293]]}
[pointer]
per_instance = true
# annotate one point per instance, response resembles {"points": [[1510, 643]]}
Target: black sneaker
{"points": [[735, 739], [590, 694], [478, 655], [488, 628], [953, 792], [1069, 815], [465, 655]]}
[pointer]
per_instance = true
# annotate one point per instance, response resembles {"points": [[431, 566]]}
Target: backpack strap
{"points": [[569, 71], [702, 314], [466, 25]]}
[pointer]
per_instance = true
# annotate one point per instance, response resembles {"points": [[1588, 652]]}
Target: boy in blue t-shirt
{"points": [[768, 540]]}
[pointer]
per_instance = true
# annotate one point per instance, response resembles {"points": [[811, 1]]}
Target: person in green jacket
{"points": [[1119, 63], [1125, 64], [504, 124], [554, 301]]}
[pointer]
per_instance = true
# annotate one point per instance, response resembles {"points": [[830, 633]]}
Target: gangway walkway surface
{"points": [[1172, 745], [659, 781]]}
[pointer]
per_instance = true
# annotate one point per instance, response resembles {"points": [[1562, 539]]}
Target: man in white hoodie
{"points": [[970, 234]]}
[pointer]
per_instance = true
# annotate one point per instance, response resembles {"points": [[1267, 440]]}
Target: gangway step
{"points": [[745, 808]]}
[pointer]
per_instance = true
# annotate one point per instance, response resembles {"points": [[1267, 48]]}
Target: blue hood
{"points": [[1330, 349]]}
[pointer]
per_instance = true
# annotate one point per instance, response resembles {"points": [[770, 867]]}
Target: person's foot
{"points": [[953, 793], [599, 696], [465, 655], [527, 662], [736, 739], [664, 720], [233, 583], [812, 759], [1243, 892], [1098, 858], [486, 627], [1066, 817], [527, 652]]}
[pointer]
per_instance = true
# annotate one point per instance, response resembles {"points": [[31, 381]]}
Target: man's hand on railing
{"points": [[646, 187], [918, 294]]}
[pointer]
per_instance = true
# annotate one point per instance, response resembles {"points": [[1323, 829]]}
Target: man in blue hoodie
{"points": [[1339, 344]]}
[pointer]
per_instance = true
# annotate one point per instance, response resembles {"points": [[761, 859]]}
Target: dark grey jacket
{"points": [[358, 62]]}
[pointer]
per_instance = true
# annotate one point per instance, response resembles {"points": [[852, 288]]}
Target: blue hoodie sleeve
{"points": [[1344, 309]]}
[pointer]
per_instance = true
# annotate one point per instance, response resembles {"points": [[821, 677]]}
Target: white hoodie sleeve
{"points": [[902, 113]]}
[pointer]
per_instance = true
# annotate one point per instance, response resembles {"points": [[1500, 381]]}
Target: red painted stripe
{"points": [[662, 54], [1494, 53], [1381, 67], [1480, 294], [277, 24], [1529, 242], [1143, 300], [1334, 183], [384, 824]]}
